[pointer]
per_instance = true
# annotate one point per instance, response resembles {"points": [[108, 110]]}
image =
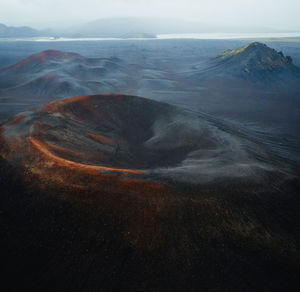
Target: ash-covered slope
{"points": [[126, 134], [59, 74], [254, 64], [95, 183]]}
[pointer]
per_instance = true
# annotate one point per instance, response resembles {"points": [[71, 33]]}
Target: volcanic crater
{"points": [[111, 130], [128, 134]]}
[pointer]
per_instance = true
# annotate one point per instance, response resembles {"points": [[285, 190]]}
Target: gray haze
{"points": [[277, 14]]}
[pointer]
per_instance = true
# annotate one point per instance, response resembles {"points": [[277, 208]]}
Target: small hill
{"points": [[253, 64], [58, 74], [256, 57]]}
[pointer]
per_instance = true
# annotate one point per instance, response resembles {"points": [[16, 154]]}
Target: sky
{"points": [[278, 14]]}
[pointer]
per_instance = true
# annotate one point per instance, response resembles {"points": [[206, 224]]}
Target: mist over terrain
{"points": [[132, 27], [280, 15], [92, 18]]}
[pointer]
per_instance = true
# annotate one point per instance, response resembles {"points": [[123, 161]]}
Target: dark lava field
{"points": [[150, 165]]}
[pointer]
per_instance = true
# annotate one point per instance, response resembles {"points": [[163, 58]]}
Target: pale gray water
{"points": [[212, 36]]}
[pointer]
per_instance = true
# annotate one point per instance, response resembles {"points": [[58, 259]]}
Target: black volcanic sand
{"points": [[186, 73], [229, 234], [87, 232], [235, 237]]}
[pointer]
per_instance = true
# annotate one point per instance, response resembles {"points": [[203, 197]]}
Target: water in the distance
{"points": [[170, 36], [228, 35]]}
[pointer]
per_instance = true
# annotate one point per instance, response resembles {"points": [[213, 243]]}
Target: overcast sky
{"points": [[279, 14]]}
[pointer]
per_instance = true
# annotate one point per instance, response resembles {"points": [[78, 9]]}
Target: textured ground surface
{"points": [[88, 203]]}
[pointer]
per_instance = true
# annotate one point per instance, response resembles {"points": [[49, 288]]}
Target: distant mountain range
{"points": [[117, 27], [128, 27], [23, 31], [138, 35]]}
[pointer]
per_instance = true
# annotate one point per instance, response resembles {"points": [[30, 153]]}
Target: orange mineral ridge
{"points": [[42, 148]]}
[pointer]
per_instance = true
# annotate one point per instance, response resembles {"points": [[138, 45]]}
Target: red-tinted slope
{"points": [[43, 148], [92, 133], [55, 74], [43, 57], [134, 135]]}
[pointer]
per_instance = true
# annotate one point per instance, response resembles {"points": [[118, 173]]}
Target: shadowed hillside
{"points": [[59, 74], [52, 74], [252, 65], [253, 85], [116, 192]]}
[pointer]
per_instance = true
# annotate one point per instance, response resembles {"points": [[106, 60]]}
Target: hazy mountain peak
{"points": [[22, 31]]}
